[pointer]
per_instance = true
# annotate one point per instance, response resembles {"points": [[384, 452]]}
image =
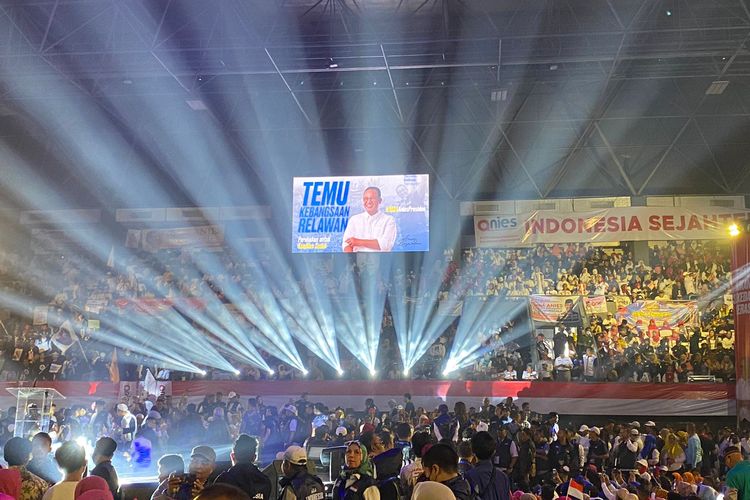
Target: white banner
{"points": [[153, 240], [608, 225]]}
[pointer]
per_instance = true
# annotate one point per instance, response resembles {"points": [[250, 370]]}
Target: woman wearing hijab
{"points": [[673, 455], [356, 481]]}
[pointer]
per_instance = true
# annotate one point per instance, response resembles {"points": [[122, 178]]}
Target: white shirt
{"points": [[529, 375], [509, 375], [379, 227], [588, 365], [563, 363], [64, 490]]}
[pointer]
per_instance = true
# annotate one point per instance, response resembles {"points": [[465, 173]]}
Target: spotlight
{"points": [[669, 13], [236, 371], [734, 230], [373, 372], [340, 372], [305, 372], [406, 372], [202, 372], [271, 372]]}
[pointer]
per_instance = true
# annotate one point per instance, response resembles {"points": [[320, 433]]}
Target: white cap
{"points": [[596, 430], [650, 423], [122, 407], [583, 428], [341, 431], [482, 427], [295, 455]]}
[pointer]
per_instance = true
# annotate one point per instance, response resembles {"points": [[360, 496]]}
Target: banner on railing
{"points": [[671, 312], [608, 225], [156, 306], [556, 309], [595, 305], [153, 240]]}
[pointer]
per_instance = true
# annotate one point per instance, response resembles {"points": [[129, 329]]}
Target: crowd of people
{"points": [[494, 450], [92, 300]]}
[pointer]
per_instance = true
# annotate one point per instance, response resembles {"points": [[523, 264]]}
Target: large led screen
{"points": [[387, 213]]}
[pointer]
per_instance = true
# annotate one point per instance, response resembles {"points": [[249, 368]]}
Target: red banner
{"points": [[741, 300]]}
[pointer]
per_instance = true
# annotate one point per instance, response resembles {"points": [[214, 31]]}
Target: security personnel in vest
{"points": [[506, 452], [297, 483]]}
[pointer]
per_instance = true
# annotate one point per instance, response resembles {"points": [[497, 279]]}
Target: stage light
{"points": [[669, 13], [406, 372], [202, 372], [734, 230], [340, 372], [236, 371], [271, 373], [305, 372], [373, 372]]}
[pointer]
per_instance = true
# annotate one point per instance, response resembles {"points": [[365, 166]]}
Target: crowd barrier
{"points": [[575, 398]]}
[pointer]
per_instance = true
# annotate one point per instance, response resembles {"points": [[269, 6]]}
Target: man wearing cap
{"points": [[289, 423], [628, 450], [738, 477], [244, 474], [298, 483], [128, 425], [188, 486], [102, 456], [598, 452], [149, 431]]}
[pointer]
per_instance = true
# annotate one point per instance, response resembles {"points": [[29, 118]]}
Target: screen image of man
{"points": [[371, 230]]}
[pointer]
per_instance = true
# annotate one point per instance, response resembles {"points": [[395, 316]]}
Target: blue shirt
{"points": [[694, 452]]}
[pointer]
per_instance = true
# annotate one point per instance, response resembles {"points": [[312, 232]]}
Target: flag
{"points": [[111, 258], [575, 489], [65, 337], [149, 383], [114, 368]]}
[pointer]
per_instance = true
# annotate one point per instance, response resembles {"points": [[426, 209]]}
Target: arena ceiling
{"points": [[494, 98]]}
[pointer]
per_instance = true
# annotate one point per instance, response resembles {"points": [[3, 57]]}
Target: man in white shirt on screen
{"points": [[371, 230]]}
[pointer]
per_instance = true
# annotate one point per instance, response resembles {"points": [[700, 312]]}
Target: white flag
{"points": [[149, 383]]}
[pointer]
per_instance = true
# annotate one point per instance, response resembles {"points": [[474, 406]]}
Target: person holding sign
{"points": [[371, 230]]}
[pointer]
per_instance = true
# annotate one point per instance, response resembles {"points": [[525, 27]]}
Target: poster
{"points": [[555, 309]]}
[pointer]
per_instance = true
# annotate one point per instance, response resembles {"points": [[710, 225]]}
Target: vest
{"points": [[502, 456], [355, 491], [307, 487]]}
